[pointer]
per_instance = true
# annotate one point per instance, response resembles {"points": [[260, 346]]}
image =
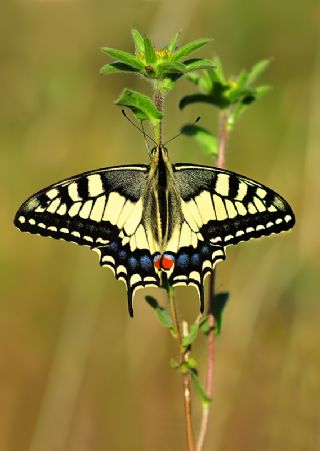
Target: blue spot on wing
{"points": [[182, 261], [205, 250], [132, 263], [122, 255], [146, 263], [113, 246], [195, 260]]}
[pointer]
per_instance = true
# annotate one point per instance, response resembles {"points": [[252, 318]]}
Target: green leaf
{"points": [[235, 114], [149, 52], [198, 63], [202, 81], [262, 90], [257, 93], [173, 43], [203, 136], [242, 79], [205, 82], [141, 105], [184, 368], [152, 302], [138, 41], [257, 70], [199, 388], [164, 318], [116, 67], [168, 82], [218, 306], [189, 339], [162, 314], [217, 97], [195, 98], [219, 303], [192, 363], [185, 50], [171, 68], [194, 77], [238, 94], [217, 74], [125, 57], [204, 325]]}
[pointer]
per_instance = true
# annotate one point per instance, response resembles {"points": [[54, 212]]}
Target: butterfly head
{"points": [[156, 150], [159, 153]]}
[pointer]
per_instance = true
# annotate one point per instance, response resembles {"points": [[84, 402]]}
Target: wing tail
{"points": [[134, 268]]}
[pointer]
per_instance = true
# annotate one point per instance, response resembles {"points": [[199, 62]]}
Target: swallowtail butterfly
{"points": [[145, 221]]}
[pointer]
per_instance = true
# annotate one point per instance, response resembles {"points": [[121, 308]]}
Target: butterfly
{"points": [[148, 222]]}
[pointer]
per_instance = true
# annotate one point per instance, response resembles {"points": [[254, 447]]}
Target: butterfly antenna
{"points": [[176, 136], [145, 137], [138, 128]]}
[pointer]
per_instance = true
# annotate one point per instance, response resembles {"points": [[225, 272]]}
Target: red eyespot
{"points": [[157, 262], [167, 261]]}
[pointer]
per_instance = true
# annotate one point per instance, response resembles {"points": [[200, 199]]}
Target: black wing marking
{"points": [[101, 209], [188, 258], [219, 208], [134, 267], [193, 264], [226, 208], [79, 209]]}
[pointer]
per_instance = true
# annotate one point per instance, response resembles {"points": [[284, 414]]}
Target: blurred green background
{"points": [[76, 373]]}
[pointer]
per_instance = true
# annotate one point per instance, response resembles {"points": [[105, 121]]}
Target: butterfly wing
{"points": [[101, 209], [230, 208], [221, 208]]}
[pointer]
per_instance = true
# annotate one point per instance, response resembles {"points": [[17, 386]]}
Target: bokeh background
{"points": [[76, 373]]}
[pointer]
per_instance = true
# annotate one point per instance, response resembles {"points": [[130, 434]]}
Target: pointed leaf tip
{"points": [[173, 43], [205, 138], [256, 70], [199, 388], [162, 314], [186, 49], [138, 41], [124, 57], [116, 68], [149, 51]]}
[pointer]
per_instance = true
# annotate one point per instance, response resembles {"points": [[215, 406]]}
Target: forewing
{"points": [[102, 209], [226, 208]]}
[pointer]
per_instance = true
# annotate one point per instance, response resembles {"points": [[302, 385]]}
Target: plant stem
{"points": [[223, 139], [158, 98], [186, 376], [205, 406]]}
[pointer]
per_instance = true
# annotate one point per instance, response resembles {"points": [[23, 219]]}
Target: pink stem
{"points": [[223, 138]]}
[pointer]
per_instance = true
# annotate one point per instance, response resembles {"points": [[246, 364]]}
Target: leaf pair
{"points": [[215, 89], [231, 95], [201, 324]]}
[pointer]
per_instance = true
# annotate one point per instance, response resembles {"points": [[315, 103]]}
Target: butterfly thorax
{"points": [[162, 209]]}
